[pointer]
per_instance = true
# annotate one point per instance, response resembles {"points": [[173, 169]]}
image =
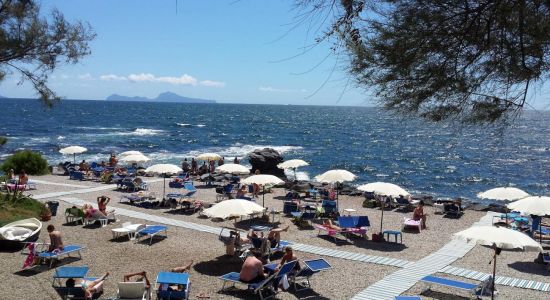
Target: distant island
{"points": [[163, 97]]}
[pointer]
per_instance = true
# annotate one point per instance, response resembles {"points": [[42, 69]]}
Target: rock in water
{"points": [[266, 161]]}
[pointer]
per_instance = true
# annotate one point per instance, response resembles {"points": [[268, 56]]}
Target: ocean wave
{"points": [[142, 132], [200, 125], [184, 124], [60, 137], [97, 128]]}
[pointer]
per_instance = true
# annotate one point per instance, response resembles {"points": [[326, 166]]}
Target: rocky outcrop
{"points": [[266, 161]]}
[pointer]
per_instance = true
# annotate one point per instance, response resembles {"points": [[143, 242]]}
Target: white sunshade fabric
{"points": [[499, 237], [262, 179], [209, 156], [163, 169], [233, 208], [72, 150], [532, 205], [131, 152], [293, 163], [233, 169], [334, 176], [135, 158], [384, 188], [503, 194]]}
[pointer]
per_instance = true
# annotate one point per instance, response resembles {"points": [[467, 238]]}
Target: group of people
{"points": [[22, 179], [193, 168]]}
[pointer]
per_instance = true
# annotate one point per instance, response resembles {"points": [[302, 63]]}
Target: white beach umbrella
{"points": [[532, 205], [336, 176], [233, 208], [503, 194], [385, 189], [163, 169], [498, 238], [131, 152], [233, 169], [74, 150], [263, 180], [293, 164], [209, 156], [135, 159]]}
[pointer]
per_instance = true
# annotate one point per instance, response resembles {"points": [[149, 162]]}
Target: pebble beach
{"points": [[346, 278]]}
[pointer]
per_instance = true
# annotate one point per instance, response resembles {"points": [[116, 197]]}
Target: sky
{"points": [[237, 51]]}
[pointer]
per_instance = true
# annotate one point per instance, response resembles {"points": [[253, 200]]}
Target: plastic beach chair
{"points": [[132, 291], [56, 255], [165, 279], [151, 231], [63, 273], [311, 267]]}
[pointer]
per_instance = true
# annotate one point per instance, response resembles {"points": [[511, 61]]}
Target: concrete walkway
{"points": [[400, 281]]}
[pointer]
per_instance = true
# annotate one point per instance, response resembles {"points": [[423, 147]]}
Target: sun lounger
{"points": [[264, 289], [408, 222], [166, 279], [311, 267], [303, 218], [132, 291], [74, 214], [56, 255], [475, 290], [407, 298], [61, 274], [127, 229], [151, 231], [329, 231]]}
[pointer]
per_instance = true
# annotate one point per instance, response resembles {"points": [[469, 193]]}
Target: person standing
{"points": [[185, 166], [194, 166]]}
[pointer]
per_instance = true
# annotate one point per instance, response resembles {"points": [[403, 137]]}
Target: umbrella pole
{"points": [[74, 158], [337, 202], [164, 187], [540, 231], [494, 272], [382, 217], [263, 196]]}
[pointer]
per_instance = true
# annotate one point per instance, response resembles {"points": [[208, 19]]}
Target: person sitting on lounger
{"points": [[102, 204], [23, 178], [91, 212], [89, 287], [112, 160], [274, 236], [241, 193], [288, 257], [253, 269], [419, 215], [56, 244]]}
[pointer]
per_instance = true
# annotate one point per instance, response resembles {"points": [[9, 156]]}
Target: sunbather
{"points": [[89, 287], [142, 278], [419, 215], [23, 178], [253, 268], [274, 235], [102, 202], [287, 257], [56, 244], [182, 269], [112, 160], [328, 224]]}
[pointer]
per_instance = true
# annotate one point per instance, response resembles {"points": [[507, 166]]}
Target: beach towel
{"points": [[30, 257]]}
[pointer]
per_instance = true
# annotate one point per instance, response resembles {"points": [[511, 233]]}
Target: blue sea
{"points": [[443, 160]]}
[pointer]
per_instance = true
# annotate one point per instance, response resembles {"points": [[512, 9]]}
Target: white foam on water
{"points": [[200, 125], [184, 124], [60, 137], [142, 132], [98, 128]]}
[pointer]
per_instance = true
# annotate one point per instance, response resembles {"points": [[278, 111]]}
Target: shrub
{"points": [[31, 162], [16, 206]]}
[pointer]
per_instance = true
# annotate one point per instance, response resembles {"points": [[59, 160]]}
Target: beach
{"points": [[345, 279]]}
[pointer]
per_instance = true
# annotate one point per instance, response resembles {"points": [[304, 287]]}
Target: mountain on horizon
{"points": [[163, 97]]}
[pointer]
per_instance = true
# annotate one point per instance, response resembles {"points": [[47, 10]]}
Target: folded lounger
{"points": [[55, 255], [311, 267], [165, 279], [264, 285], [127, 228], [475, 290], [151, 231]]}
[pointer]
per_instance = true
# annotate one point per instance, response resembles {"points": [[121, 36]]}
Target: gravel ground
{"points": [[181, 246]]}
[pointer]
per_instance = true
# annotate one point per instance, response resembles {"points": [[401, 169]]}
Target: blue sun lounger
{"points": [[474, 290], [171, 278], [67, 250], [311, 267], [407, 298], [63, 273], [260, 287], [151, 231]]}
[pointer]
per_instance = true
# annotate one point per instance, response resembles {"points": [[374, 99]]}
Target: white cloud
{"points": [[86, 76], [109, 77], [278, 90], [212, 83]]}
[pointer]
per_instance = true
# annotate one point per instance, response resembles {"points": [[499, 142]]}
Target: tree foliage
{"points": [[32, 162], [474, 61], [33, 46]]}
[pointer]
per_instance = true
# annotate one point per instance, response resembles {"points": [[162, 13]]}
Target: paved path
{"points": [[400, 281]]}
